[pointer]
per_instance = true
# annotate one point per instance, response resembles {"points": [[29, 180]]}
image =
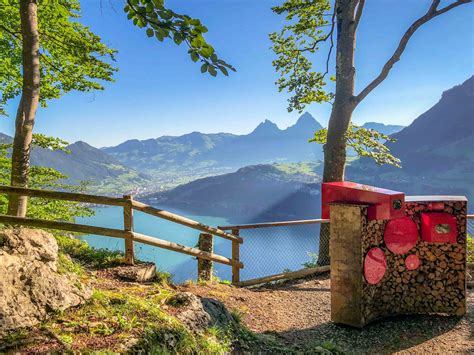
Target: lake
{"points": [[265, 251]]}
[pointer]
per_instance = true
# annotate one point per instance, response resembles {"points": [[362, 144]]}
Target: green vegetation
{"points": [[44, 178], [313, 261], [71, 56], [163, 23], [82, 252], [135, 316], [366, 142], [309, 168], [470, 249]]}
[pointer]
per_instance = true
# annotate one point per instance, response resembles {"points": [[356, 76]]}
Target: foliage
{"points": [[131, 312], [162, 22], [44, 178], [66, 265], [81, 251], [313, 261], [366, 142], [292, 45], [470, 249], [71, 56]]}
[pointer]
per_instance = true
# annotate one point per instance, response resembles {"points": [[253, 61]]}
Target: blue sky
{"points": [[159, 91]]}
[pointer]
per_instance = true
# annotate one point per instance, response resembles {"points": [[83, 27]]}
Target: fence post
{"points": [[236, 258], [205, 243], [128, 227]]}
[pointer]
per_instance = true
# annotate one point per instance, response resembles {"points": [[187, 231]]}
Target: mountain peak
{"points": [[305, 118], [305, 126], [265, 128]]}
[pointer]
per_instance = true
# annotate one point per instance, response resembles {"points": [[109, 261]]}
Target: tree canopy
{"points": [[72, 57]]}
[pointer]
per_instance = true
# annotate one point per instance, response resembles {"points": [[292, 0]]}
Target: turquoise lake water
{"points": [[264, 251]]}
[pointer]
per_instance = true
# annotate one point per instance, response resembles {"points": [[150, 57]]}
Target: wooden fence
{"points": [[127, 233]]}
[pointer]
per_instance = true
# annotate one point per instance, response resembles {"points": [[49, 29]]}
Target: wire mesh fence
{"points": [[272, 250]]}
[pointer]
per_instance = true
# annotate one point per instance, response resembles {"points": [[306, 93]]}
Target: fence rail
{"points": [[127, 232], [277, 262]]}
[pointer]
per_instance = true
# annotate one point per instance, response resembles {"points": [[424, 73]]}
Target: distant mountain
{"points": [[254, 193], [206, 154], [436, 150], [86, 163], [441, 137], [388, 129], [4, 138]]}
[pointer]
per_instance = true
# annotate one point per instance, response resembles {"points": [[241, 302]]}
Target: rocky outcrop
{"points": [[30, 285], [198, 314]]}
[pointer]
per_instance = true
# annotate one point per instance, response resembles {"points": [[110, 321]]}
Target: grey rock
{"points": [[30, 286], [137, 273], [198, 314]]}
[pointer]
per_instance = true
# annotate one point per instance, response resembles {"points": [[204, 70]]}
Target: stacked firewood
{"points": [[437, 285]]}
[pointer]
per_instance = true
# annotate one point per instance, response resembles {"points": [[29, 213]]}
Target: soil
{"points": [[298, 313]]}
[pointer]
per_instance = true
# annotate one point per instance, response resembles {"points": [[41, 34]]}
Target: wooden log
{"points": [[145, 239], [235, 258], [274, 224], [59, 195], [285, 276], [66, 226], [183, 220], [128, 227], [205, 243]]}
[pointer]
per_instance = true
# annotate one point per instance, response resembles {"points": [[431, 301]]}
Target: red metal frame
{"points": [[383, 203], [438, 227]]}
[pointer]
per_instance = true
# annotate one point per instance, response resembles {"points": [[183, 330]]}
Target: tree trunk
{"points": [[25, 117], [344, 105]]}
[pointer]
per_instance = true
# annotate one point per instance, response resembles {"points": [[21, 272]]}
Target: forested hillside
{"points": [[436, 150]]}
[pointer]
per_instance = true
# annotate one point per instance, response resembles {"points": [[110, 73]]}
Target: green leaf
{"points": [[204, 67], [224, 71], [178, 38], [194, 56], [212, 71], [149, 32]]}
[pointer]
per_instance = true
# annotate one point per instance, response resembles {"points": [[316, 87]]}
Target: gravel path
{"points": [[299, 313]]}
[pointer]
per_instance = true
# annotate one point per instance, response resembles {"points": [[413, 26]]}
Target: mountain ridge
{"points": [[201, 153]]}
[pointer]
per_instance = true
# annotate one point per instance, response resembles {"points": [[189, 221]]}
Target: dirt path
{"points": [[298, 313]]}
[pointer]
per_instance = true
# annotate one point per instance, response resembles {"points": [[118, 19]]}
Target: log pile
{"points": [[437, 285]]}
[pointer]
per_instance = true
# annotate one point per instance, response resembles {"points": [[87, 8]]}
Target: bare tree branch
{"points": [[430, 14], [332, 42], [11, 32], [358, 14]]}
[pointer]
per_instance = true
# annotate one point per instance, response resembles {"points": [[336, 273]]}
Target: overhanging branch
{"points": [[430, 14], [358, 14]]}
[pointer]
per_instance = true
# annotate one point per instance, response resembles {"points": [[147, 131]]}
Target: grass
{"points": [[82, 252], [134, 315], [310, 168]]}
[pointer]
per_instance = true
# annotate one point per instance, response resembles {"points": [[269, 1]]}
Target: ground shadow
{"points": [[384, 336]]}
